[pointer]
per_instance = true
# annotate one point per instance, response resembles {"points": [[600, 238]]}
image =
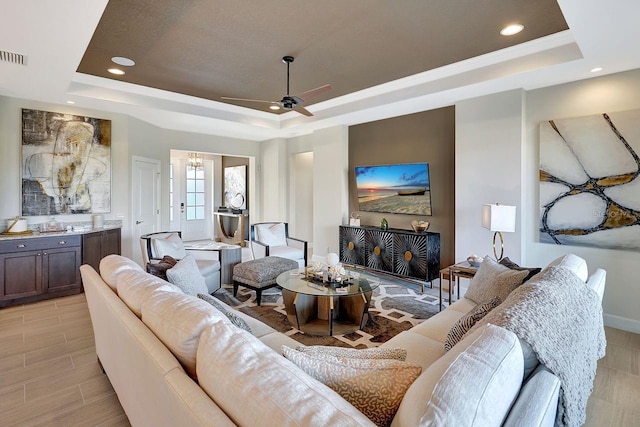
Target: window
{"points": [[195, 193], [171, 192]]}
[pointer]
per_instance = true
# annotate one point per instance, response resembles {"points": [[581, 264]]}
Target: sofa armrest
{"points": [[259, 249], [597, 282], [537, 402]]}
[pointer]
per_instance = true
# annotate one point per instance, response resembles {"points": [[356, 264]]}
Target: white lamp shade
{"points": [[499, 217]]}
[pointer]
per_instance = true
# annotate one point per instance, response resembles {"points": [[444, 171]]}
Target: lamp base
{"points": [[495, 253]]}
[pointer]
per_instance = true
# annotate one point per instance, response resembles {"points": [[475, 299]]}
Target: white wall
{"points": [[301, 197], [330, 149], [495, 164], [274, 171], [129, 136], [488, 169], [617, 92]]}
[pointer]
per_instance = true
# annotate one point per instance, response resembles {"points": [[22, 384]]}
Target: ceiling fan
{"points": [[289, 102]]}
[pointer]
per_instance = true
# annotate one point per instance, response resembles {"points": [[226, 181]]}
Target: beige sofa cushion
{"points": [[474, 384], [254, 385], [112, 265], [374, 386], [178, 320], [493, 280], [135, 287], [421, 351]]}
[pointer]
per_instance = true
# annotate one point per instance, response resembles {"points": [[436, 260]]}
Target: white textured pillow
{"points": [[573, 263], [271, 235], [112, 265], [354, 353], [171, 245], [374, 386], [186, 275], [493, 280], [474, 384], [178, 320], [233, 363], [135, 287]]}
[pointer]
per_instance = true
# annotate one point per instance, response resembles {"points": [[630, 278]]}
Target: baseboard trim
{"points": [[622, 323]]}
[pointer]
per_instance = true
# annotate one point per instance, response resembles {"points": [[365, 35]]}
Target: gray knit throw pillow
{"points": [[493, 280]]}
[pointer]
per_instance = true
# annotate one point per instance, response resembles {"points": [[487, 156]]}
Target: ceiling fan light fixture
{"points": [[274, 107], [116, 71], [512, 29]]}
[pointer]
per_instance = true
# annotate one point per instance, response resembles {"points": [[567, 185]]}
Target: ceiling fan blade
{"points": [[314, 92], [304, 111], [248, 100]]}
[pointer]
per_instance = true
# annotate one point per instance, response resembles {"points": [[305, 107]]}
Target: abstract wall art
{"points": [[589, 185], [66, 164], [235, 187]]}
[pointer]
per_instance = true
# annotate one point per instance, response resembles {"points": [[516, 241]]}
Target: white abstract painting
{"points": [[589, 186], [235, 187]]}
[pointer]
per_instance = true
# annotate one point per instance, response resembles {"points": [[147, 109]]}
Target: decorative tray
{"points": [[17, 233]]}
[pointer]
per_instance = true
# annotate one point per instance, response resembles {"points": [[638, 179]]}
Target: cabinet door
{"points": [[92, 249], [111, 242], [21, 274], [61, 269], [379, 253], [410, 255], [352, 245]]}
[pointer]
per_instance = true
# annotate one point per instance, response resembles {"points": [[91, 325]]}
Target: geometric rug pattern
{"points": [[394, 308]]}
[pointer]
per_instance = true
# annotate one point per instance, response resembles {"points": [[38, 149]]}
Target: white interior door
{"points": [[145, 194]]}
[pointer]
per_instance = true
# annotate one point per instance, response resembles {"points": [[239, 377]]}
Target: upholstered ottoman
{"points": [[260, 274]]}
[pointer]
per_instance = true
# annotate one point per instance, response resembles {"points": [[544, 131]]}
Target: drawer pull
{"points": [[62, 242], [21, 245]]}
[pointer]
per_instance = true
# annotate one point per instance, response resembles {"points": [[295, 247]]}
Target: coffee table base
{"points": [[327, 315]]}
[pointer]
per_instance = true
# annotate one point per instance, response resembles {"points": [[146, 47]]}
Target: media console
{"points": [[403, 253]]}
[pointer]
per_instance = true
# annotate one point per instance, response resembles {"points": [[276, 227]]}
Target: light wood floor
{"points": [[49, 373]]}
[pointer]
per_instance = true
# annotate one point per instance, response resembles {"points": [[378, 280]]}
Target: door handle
{"points": [[139, 222]]}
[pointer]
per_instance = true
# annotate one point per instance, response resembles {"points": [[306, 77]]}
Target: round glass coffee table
{"points": [[319, 308]]}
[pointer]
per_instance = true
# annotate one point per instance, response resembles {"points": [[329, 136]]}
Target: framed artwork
{"points": [[589, 186], [235, 187], [66, 164]]}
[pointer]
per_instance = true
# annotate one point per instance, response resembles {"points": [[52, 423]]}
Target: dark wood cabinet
{"points": [[39, 268], [99, 244], [401, 252]]}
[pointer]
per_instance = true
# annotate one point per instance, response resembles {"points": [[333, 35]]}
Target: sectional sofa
{"points": [[174, 359]]}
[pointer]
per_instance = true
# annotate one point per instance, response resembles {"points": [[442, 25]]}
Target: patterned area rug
{"points": [[394, 308]]}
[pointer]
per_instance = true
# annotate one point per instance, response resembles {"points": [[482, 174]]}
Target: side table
{"points": [[228, 255], [456, 271]]}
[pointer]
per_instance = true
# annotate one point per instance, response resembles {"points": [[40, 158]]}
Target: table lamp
{"points": [[499, 218]]}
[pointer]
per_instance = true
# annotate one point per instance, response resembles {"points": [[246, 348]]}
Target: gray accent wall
{"points": [[427, 137]]}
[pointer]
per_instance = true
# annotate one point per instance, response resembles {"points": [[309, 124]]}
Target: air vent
{"points": [[14, 58]]}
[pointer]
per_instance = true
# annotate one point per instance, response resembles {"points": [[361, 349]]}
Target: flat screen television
{"points": [[403, 188]]}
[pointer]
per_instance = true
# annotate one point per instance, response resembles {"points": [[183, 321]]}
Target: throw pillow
{"points": [[160, 268], [272, 235], [374, 387], [170, 245], [513, 266], [354, 353], [493, 280], [186, 275], [468, 320], [233, 317]]}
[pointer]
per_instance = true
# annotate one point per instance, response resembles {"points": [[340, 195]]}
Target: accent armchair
{"points": [[272, 239], [156, 245]]}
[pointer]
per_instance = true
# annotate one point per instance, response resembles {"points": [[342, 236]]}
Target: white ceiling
{"points": [[604, 34]]}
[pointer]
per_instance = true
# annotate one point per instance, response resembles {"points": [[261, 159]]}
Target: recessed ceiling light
{"points": [[125, 62], [116, 71], [596, 69], [71, 102], [274, 107], [510, 30]]}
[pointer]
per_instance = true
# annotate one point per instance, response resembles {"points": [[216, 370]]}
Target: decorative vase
{"points": [[384, 224]]}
